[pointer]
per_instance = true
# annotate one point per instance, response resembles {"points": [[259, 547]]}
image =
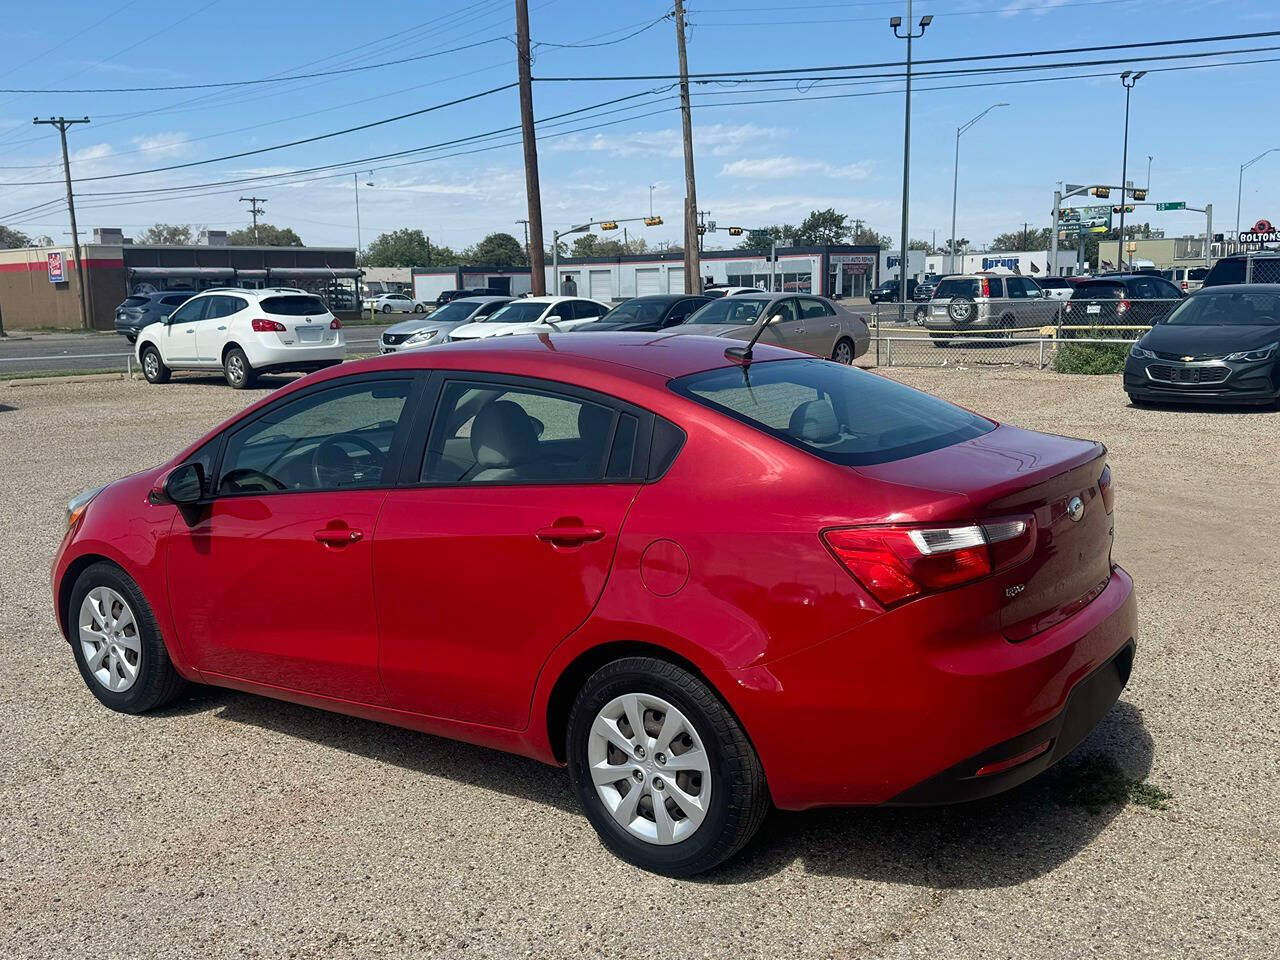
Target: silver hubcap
{"points": [[650, 768], [109, 639], [151, 364], [843, 353], [236, 368]]}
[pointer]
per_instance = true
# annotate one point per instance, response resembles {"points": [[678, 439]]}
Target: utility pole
{"points": [[526, 237], [703, 216], [255, 211], [895, 23], [1128, 78], [692, 261], [62, 123], [532, 187]]}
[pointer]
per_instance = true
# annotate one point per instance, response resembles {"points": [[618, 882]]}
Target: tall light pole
{"points": [[355, 177], [895, 23], [1240, 185], [1128, 78], [955, 182], [651, 186]]}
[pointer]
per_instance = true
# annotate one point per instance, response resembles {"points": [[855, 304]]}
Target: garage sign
{"points": [[57, 268], [1262, 232]]}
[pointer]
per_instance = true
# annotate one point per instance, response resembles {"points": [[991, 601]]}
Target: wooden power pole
{"points": [[81, 279], [692, 262], [255, 209], [537, 268]]}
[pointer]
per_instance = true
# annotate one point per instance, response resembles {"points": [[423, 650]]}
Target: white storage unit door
{"points": [[601, 284], [648, 281], [675, 280]]}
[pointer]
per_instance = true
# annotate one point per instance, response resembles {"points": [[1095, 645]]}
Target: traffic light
{"points": [[609, 225], [735, 231], [701, 230], [1103, 192], [1139, 194], [1127, 208], [653, 221]]}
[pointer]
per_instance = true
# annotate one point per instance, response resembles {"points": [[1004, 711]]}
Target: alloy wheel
{"points": [[844, 353], [151, 365], [235, 367], [109, 639], [650, 768]]}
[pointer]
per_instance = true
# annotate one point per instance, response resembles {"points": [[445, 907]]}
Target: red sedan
{"points": [[705, 583]]}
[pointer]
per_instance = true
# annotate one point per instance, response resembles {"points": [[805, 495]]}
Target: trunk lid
{"points": [[306, 319], [1013, 472]]}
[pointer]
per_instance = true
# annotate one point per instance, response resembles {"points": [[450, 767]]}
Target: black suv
{"points": [[1235, 269], [888, 291], [141, 309], [1122, 299]]}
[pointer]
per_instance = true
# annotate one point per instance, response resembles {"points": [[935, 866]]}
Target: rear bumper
{"points": [[899, 710], [275, 356]]}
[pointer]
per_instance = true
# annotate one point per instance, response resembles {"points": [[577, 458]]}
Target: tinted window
{"points": [[220, 307], [1016, 288], [518, 311], [175, 301], [810, 307], [561, 311], [1228, 308], [1168, 291], [730, 310], [622, 456], [487, 308], [839, 413], [1098, 291], [294, 305], [495, 433], [329, 440], [190, 311], [134, 302], [1230, 270], [586, 310], [995, 288], [958, 287], [638, 311]]}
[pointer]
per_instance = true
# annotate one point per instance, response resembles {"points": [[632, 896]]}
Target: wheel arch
{"points": [[68, 582], [226, 348]]}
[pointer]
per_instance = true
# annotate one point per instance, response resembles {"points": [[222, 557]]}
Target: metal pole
{"points": [[1053, 236], [1208, 230], [692, 263], [555, 264], [906, 177], [356, 179], [773, 267], [1124, 172], [1239, 194], [532, 186]]}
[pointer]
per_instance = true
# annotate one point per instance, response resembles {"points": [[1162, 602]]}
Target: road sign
{"points": [[57, 268], [1072, 187], [1172, 205]]}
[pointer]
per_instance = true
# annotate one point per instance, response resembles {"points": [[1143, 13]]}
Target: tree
{"points": [[962, 244], [924, 245], [167, 234], [868, 237], [761, 241], [823, 227], [498, 250], [1024, 239], [400, 248], [268, 236], [11, 239]]}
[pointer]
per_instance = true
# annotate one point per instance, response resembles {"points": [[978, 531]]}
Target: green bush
{"points": [[1090, 358]]}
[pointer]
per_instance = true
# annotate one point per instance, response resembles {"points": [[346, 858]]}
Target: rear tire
{"points": [[117, 645], [843, 352], [237, 370], [153, 368], [386, 308], [730, 798]]}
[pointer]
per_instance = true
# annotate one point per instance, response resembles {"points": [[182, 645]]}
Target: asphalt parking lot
{"points": [[233, 826]]}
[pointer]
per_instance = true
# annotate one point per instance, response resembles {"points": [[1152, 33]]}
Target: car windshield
{"points": [[957, 287], [841, 414], [519, 311], [294, 305], [1226, 308], [1098, 291], [642, 311], [456, 310], [736, 311]]}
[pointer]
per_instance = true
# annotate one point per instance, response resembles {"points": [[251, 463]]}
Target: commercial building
{"points": [[39, 285], [840, 270], [1031, 263]]}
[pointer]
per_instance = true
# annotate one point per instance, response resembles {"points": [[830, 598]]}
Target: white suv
{"points": [[243, 333]]}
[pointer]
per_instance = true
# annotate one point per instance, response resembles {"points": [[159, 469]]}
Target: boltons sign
{"points": [[1262, 232]]}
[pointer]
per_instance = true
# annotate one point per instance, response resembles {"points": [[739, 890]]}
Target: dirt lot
{"points": [[237, 826]]}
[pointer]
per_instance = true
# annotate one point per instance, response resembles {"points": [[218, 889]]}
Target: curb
{"points": [[84, 378]]}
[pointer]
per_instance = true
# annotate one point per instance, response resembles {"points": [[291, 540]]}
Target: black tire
{"points": [[739, 794], [153, 368], [131, 337], [157, 683], [843, 351], [921, 314], [386, 308], [237, 370], [418, 308]]}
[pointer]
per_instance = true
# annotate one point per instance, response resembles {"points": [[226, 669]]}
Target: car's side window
{"points": [[561, 311], [333, 439], [174, 301], [190, 311], [498, 433], [786, 310], [996, 287], [810, 307], [587, 310], [220, 307], [1016, 290]]}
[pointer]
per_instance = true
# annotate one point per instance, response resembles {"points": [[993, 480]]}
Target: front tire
{"points": [[682, 793], [418, 308], [237, 369], [386, 308], [153, 368], [117, 644]]}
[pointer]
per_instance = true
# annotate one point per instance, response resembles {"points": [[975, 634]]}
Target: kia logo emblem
{"points": [[1075, 509]]}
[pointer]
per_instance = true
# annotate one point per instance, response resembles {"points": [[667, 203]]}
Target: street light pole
{"points": [[895, 23], [955, 182], [1128, 78], [1240, 185], [356, 179]]}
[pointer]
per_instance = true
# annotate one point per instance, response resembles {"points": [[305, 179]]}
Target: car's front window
{"points": [[1227, 310], [518, 312], [735, 311]]}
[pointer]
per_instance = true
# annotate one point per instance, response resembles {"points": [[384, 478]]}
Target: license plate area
{"points": [[1186, 375], [1094, 308], [309, 334]]}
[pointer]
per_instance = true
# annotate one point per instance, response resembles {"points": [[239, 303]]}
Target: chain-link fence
{"points": [[1261, 268]]}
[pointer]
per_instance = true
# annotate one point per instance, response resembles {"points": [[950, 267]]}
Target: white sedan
{"points": [[242, 333], [393, 303], [533, 315]]}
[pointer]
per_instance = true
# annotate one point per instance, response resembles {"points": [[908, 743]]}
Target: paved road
{"points": [[62, 353]]}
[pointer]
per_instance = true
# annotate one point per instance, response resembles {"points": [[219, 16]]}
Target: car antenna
{"points": [[742, 355]]}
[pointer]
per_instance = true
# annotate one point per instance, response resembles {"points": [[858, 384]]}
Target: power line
{"points": [[648, 26], [775, 23]]}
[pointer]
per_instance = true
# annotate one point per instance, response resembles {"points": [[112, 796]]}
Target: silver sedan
{"points": [[801, 322], [435, 328]]}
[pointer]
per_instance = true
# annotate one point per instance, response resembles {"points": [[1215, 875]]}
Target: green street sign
{"points": [[1172, 205]]}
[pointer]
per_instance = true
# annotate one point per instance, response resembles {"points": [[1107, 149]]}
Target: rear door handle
{"points": [[338, 536], [570, 535]]}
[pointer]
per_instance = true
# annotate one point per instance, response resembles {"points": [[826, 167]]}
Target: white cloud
{"points": [[164, 144], [718, 139], [780, 167]]}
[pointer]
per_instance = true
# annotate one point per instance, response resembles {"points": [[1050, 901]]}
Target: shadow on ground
{"points": [[998, 842]]}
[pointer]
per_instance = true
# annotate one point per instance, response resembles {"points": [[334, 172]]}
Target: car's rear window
{"points": [[1098, 291], [957, 287], [134, 302], [1227, 270], [294, 305], [841, 414]]}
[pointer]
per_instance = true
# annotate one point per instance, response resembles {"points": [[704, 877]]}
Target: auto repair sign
{"points": [[57, 268], [1262, 232]]}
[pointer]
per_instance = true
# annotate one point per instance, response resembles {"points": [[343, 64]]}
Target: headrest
{"points": [[503, 435], [814, 421]]}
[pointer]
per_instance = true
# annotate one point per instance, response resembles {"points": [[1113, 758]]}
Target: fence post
{"points": [[888, 347], [1248, 267], [1041, 367], [128, 366]]}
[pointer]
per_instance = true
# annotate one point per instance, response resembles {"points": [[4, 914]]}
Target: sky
{"points": [[765, 153]]}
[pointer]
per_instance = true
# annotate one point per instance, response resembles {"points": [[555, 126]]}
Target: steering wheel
{"points": [[247, 475], [334, 445]]}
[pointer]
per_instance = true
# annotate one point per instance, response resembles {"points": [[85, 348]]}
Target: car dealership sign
{"points": [[57, 268], [1262, 232]]}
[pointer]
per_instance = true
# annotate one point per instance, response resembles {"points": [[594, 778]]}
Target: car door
{"points": [[177, 341], [497, 544], [213, 329], [788, 330], [821, 327], [270, 580]]}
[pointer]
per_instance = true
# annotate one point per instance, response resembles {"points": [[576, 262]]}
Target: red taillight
{"points": [[335, 324], [268, 326], [1107, 490], [1184, 284], [1124, 305], [898, 563], [986, 287]]}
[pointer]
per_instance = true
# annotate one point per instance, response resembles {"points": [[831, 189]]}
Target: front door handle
{"points": [[570, 536], [338, 536]]}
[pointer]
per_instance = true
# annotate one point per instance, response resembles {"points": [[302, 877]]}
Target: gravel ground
{"points": [[233, 826]]}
